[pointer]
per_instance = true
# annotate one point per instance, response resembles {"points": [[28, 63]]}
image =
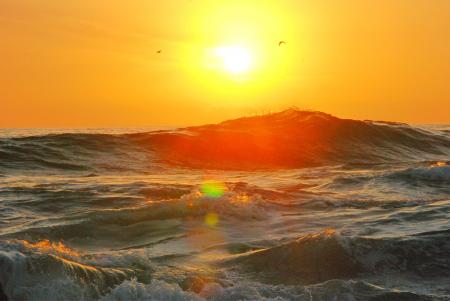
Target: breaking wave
{"points": [[52, 271], [319, 257], [322, 266], [289, 139]]}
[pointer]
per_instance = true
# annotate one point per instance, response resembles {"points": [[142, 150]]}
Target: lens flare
{"points": [[213, 189], [211, 219]]}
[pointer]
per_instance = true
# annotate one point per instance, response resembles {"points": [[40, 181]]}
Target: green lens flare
{"points": [[213, 189]]}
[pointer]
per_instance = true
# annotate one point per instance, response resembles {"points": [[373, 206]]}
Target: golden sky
{"points": [[84, 63]]}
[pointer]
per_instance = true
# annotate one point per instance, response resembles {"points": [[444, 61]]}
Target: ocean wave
{"points": [[24, 268], [310, 259], [231, 206], [293, 139], [319, 257], [434, 173], [331, 290], [73, 152], [108, 216], [289, 139], [320, 266], [45, 270]]}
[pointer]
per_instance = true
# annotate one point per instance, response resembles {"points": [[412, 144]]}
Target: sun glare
{"points": [[234, 59]]}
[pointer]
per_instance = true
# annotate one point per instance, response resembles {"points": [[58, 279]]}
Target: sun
{"points": [[234, 59]]}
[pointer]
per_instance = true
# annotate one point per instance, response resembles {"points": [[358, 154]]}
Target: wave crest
{"points": [[289, 139], [63, 272], [323, 256], [293, 139]]}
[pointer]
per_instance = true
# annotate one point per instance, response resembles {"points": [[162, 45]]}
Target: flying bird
{"points": [[281, 43], [159, 51]]}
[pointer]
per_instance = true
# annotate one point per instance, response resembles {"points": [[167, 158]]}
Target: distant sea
{"points": [[286, 206]]}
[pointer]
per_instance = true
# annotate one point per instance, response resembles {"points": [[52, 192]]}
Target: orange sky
{"points": [[83, 63]]}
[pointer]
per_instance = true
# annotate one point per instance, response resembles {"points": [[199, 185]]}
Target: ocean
{"points": [[286, 206]]}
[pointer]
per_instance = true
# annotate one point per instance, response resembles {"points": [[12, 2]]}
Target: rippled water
{"points": [[328, 209]]}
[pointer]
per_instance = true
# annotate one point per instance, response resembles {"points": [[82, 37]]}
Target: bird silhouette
{"points": [[159, 51], [281, 43]]}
